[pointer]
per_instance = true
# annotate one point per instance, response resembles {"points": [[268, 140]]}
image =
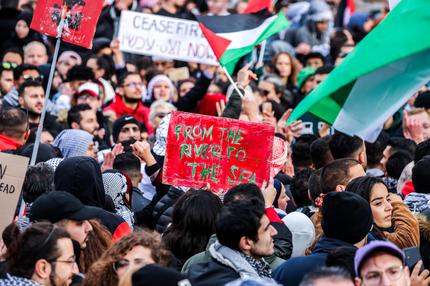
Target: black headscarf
{"points": [[81, 176]]}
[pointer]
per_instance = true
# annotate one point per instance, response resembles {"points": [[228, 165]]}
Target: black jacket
{"points": [[162, 214], [212, 273]]}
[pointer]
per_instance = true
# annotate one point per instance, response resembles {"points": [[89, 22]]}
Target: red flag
{"points": [[81, 19], [258, 5]]}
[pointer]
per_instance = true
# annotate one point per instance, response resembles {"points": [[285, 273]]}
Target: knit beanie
{"points": [[346, 216], [120, 122], [420, 175], [304, 75]]}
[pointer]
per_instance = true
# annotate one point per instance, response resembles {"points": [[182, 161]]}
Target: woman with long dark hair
{"points": [[392, 219], [193, 222]]}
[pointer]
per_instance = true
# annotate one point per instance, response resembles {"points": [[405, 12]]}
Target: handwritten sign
{"points": [[219, 151], [12, 174], [148, 34]]}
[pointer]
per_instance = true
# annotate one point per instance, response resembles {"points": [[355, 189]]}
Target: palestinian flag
{"points": [[344, 12], [378, 76], [234, 36]]}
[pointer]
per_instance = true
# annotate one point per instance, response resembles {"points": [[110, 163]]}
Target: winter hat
{"points": [[320, 11], [346, 216], [278, 187], [161, 136], [152, 274], [73, 142], [156, 79], [303, 232], [304, 75], [120, 122], [420, 175]]}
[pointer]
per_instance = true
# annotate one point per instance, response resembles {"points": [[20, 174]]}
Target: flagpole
{"points": [[261, 55], [232, 82], [48, 88], [47, 92]]}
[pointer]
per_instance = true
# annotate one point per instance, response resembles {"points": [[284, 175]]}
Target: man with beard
{"points": [[31, 98], [244, 237], [42, 255], [83, 117], [128, 100]]}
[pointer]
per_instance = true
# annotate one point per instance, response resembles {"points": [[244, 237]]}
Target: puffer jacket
{"points": [[163, 210]]}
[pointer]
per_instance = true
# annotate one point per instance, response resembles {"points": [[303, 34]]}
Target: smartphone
{"points": [[412, 255]]}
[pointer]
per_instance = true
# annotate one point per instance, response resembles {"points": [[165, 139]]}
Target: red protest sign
{"points": [[219, 151], [81, 21]]}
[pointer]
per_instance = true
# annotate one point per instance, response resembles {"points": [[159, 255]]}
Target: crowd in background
{"points": [[337, 209]]}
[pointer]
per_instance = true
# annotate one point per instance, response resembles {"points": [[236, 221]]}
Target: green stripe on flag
{"points": [[398, 36], [232, 56]]}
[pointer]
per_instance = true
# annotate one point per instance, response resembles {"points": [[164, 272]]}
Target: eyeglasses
{"points": [[134, 84], [71, 262], [8, 65], [374, 277]]}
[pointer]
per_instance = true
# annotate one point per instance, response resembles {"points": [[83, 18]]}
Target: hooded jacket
{"points": [[81, 176], [292, 271]]}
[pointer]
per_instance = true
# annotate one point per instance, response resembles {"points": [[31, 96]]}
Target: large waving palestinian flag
{"points": [[233, 36], [378, 76]]}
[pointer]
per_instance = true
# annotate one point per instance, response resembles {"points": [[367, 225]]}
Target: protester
{"points": [[42, 255], [392, 218], [346, 221], [131, 252], [191, 226], [14, 130], [244, 236], [381, 261]]}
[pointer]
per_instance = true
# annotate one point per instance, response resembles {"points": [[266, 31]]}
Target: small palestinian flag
{"points": [[233, 36]]}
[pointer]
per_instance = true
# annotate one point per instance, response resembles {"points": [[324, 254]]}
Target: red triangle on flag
{"points": [[258, 5], [217, 43]]}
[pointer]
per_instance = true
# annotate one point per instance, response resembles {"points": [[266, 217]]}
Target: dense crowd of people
{"points": [[336, 209]]}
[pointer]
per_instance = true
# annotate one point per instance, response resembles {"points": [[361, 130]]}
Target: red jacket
{"points": [[7, 143], [141, 113]]}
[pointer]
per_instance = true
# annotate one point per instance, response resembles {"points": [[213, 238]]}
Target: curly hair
{"points": [[102, 273]]}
